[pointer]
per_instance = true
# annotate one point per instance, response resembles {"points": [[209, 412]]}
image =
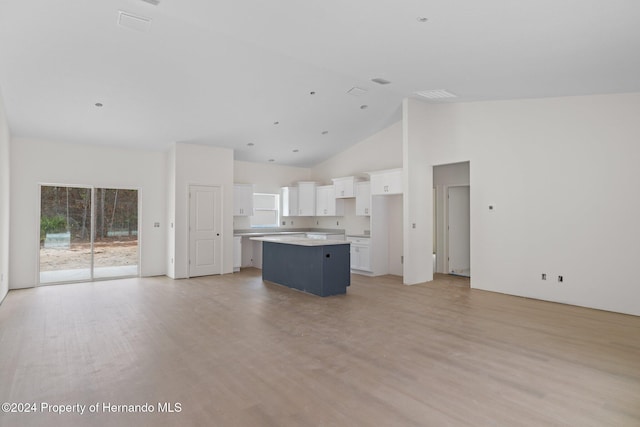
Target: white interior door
{"points": [[204, 231], [458, 214]]}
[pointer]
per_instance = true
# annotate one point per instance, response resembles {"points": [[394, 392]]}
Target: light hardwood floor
{"points": [[235, 351]]}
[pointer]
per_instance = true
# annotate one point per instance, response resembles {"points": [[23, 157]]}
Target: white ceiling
{"points": [[222, 72]]}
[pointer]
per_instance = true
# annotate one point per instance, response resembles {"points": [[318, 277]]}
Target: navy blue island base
{"points": [[319, 269]]}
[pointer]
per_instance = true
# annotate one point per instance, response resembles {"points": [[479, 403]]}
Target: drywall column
{"points": [[417, 203], [198, 165], [4, 202], [171, 212]]}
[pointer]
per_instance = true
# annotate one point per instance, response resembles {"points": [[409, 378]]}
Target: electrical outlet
{"points": [[337, 222], [560, 279], [401, 259], [284, 222], [544, 276]]}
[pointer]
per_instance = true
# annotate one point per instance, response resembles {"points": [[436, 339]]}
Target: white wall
{"points": [[36, 161], [170, 171], [562, 174], [268, 178], [380, 151], [394, 206], [417, 184], [4, 202], [200, 165]]}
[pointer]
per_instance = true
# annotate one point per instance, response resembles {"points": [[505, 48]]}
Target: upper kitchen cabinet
{"points": [[326, 202], [363, 198], [345, 187], [289, 196], [386, 182], [306, 198], [242, 199]]}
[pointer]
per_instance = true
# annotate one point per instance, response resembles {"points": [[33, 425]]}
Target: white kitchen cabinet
{"points": [[363, 198], [306, 198], [386, 182], [242, 199], [326, 202], [345, 187], [360, 253], [289, 197]]}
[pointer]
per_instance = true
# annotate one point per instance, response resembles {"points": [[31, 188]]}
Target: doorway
{"points": [[452, 219], [458, 231], [205, 225], [87, 233]]}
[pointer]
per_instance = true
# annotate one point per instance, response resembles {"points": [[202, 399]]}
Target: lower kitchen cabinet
{"points": [[360, 254]]}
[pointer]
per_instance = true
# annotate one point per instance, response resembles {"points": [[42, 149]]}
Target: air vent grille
{"points": [[436, 94], [133, 22], [356, 91]]}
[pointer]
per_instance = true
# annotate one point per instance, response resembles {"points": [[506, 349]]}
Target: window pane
{"points": [[264, 219], [116, 238], [264, 201], [65, 234]]}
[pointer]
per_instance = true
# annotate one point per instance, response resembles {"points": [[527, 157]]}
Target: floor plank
{"points": [[234, 350]]}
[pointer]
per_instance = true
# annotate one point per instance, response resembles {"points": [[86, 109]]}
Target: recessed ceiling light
{"points": [[153, 2], [422, 19], [380, 81], [251, 144], [98, 104], [436, 94], [364, 107], [324, 132], [272, 160], [296, 150]]}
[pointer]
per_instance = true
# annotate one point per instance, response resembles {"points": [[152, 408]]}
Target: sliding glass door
{"points": [[87, 233], [116, 233]]}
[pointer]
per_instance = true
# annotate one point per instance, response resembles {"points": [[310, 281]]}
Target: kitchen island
{"points": [[319, 267]]}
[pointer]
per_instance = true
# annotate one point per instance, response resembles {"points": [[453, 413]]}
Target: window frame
{"points": [[256, 208]]}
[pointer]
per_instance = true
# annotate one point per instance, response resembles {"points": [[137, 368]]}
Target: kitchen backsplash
{"points": [[351, 223]]}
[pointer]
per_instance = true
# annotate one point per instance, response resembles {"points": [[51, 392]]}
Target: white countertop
{"points": [[300, 241], [268, 233]]}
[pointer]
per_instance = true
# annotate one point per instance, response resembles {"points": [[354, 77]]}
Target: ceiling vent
{"points": [[357, 91], [380, 81], [133, 22], [436, 94]]}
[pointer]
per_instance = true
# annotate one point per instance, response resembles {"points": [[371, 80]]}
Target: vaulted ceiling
{"points": [[274, 80]]}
